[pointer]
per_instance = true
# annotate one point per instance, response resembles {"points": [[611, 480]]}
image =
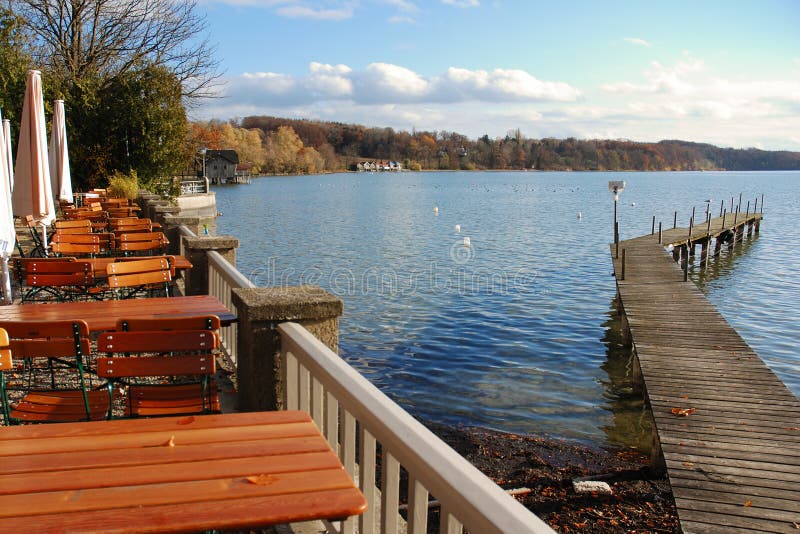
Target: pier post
{"points": [[689, 243], [653, 227], [623, 264], [260, 310], [660, 234], [196, 250], [762, 202], [704, 253], [685, 265], [721, 207], [755, 208], [739, 207], [675, 220], [747, 213]]}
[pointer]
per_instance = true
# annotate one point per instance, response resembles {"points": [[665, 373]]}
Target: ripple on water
{"points": [[512, 332]]}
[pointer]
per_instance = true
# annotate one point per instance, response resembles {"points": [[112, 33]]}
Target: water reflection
{"points": [[631, 423]]}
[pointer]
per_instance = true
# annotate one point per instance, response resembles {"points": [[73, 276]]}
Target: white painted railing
{"points": [[222, 277], [343, 402]]}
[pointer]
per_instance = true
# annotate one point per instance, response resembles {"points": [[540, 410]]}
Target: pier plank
{"points": [[733, 462]]}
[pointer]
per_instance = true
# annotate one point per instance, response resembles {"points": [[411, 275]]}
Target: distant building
{"points": [[221, 165]]}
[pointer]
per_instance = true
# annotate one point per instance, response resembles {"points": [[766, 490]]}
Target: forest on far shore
{"points": [[284, 146]]}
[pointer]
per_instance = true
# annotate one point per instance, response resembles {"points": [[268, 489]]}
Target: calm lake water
{"points": [[515, 331]]}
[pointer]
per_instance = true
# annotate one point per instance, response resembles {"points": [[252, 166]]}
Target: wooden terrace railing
{"points": [[343, 404]]}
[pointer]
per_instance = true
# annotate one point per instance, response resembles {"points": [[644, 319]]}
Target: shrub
{"points": [[124, 185]]}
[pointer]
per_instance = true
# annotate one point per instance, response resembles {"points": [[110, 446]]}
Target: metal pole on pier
{"points": [[616, 187], [653, 227], [762, 203], [660, 235], [721, 206], [740, 202], [675, 220]]}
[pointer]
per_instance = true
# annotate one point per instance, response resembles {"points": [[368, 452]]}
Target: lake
{"points": [[515, 330]]}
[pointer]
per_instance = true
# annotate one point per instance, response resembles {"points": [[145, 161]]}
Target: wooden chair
{"points": [[139, 243], [180, 365], [74, 226], [49, 384], [130, 225], [6, 365], [38, 246], [127, 279], [124, 211], [67, 279]]}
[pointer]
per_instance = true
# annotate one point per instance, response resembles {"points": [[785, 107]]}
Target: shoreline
{"points": [[641, 500]]}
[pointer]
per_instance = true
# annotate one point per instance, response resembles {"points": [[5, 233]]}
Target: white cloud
{"points": [[501, 85], [683, 100], [462, 3], [305, 12], [402, 19], [402, 5], [636, 41], [385, 83]]}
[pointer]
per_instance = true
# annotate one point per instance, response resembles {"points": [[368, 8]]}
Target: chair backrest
{"points": [[48, 339], [122, 211], [74, 226], [83, 238], [142, 236], [59, 273], [191, 352], [192, 322], [77, 249], [141, 242], [20, 265], [130, 274]]}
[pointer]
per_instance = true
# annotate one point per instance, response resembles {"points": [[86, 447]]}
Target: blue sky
{"points": [[726, 73]]}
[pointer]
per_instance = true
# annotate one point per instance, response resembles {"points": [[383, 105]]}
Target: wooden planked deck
{"points": [[734, 461]]}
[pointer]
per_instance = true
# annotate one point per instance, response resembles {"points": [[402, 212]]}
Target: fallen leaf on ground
{"points": [[748, 503], [186, 420], [170, 442], [687, 464], [261, 480], [683, 412]]}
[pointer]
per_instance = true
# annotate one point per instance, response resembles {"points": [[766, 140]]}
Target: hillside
{"points": [[450, 150]]}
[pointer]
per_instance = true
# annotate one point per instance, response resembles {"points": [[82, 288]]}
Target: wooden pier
{"points": [[726, 428]]}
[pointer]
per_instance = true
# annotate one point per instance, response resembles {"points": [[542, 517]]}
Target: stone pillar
{"points": [[196, 250], [260, 311], [164, 215]]}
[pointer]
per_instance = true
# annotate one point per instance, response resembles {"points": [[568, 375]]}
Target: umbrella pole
{"points": [[44, 240], [7, 299]]}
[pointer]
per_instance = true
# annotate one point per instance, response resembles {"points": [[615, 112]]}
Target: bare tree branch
{"points": [[106, 38]]}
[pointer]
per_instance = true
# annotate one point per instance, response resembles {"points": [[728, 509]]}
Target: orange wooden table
{"points": [[103, 314], [195, 473]]}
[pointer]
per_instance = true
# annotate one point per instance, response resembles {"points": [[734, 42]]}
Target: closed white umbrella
{"points": [[59, 155], [32, 192], [9, 159], [8, 236]]}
